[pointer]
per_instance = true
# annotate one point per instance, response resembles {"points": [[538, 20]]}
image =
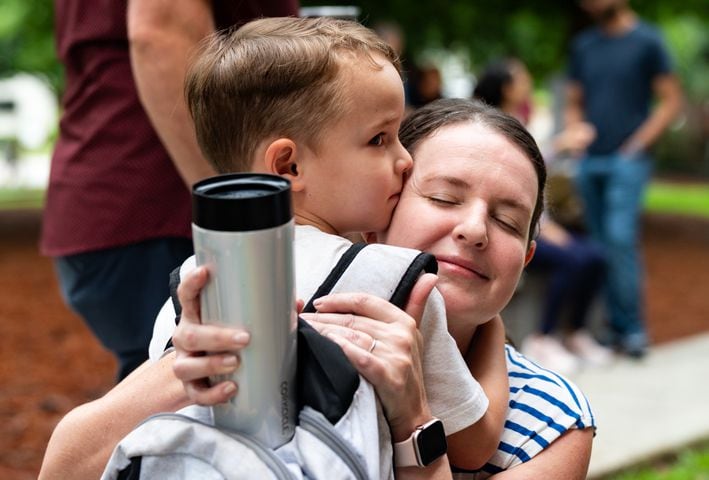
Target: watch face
{"points": [[431, 442]]}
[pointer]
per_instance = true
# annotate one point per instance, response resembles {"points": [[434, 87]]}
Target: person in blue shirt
{"points": [[617, 69]]}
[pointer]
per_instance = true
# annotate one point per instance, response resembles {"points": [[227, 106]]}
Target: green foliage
{"points": [[27, 41], [682, 199], [685, 148], [21, 198], [690, 464], [538, 32]]}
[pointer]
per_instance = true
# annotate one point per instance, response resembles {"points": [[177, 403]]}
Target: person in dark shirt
{"points": [[117, 213], [616, 69]]}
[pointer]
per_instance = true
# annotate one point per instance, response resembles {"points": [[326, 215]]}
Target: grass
{"points": [[689, 464], [676, 198], [21, 198]]}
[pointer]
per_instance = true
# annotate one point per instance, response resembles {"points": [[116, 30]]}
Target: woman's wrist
{"points": [[403, 428]]}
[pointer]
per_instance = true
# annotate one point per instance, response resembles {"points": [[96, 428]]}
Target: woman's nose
{"points": [[472, 228]]}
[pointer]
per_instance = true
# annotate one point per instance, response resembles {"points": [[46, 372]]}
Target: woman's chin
{"points": [[466, 305]]}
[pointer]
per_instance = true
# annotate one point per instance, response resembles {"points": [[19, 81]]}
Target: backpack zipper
{"points": [[267, 456], [315, 423]]}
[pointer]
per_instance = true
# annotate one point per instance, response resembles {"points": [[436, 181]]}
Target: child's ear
{"points": [[281, 158]]}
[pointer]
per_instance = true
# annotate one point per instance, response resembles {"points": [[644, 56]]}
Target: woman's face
{"points": [[469, 202]]}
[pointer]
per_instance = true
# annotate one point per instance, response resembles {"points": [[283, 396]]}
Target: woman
{"points": [[477, 218], [575, 265], [474, 197]]}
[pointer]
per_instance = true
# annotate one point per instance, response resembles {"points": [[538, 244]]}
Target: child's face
{"points": [[354, 177]]}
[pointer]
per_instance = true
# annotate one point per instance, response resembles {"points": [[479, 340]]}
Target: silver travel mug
{"points": [[243, 232]]}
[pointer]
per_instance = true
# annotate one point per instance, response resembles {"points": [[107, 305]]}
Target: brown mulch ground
{"points": [[50, 361]]}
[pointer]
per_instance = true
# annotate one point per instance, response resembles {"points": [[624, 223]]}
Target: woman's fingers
{"points": [[419, 296], [364, 305], [188, 293], [366, 363], [349, 321], [360, 338], [189, 368], [189, 337], [202, 394], [361, 305]]}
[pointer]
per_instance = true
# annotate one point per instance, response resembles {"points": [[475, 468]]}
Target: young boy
{"points": [[319, 101]]}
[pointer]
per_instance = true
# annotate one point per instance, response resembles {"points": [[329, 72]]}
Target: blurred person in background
{"points": [[117, 214], [424, 85], [572, 264], [617, 69]]}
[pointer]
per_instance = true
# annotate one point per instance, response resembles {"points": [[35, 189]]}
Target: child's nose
{"points": [[405, 162]]}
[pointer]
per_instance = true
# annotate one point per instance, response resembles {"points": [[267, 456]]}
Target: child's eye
{"points": [[377, 140]]}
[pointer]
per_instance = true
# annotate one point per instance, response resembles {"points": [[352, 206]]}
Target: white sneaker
{"points": [[582, 344], [550, 353]]}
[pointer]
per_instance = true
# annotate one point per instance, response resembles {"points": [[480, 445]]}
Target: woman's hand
{"points": [[204, 350], [384, 345]]}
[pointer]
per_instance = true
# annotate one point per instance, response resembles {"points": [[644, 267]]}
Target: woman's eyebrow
{"points": [[449, 179]]}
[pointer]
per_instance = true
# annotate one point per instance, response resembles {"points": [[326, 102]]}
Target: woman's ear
{"points": [[530, 252], [281, 158]]}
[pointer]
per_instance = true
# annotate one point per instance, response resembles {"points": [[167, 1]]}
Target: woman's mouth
{"points": [[460, 266]]}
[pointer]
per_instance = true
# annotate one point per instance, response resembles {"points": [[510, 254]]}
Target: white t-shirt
{"points": [[454, 395]]}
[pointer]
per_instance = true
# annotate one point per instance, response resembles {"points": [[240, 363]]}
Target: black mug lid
{"points": [[239, 202]]}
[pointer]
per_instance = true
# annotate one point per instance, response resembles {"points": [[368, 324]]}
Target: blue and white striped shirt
{"points": [[543, 405]]}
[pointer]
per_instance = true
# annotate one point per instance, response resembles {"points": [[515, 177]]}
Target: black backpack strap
{"points": [[424, 262], [334, 275], [326, 379]]}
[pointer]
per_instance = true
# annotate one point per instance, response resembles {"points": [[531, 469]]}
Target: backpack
{"points": [[341, 431]]}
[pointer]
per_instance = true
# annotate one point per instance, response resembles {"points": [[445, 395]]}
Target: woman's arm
{"points": [[83, 440], [567, 458], [472, 447]]}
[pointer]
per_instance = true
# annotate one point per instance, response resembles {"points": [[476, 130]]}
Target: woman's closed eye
{"points": [[508, 224], [442, 200]]}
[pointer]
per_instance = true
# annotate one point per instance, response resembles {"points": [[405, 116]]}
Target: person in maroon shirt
{"points": [[117, 213]]}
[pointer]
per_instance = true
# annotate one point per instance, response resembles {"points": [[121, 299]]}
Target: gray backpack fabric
{"points": [[341, 431]]}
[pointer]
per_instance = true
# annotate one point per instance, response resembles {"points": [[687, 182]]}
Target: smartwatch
{"points": [[423, 447]]}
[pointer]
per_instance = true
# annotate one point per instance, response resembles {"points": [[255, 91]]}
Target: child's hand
{"points": [[204, 350]]}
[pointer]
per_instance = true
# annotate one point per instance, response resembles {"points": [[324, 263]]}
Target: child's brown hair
{"points": [[273, 77]]}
